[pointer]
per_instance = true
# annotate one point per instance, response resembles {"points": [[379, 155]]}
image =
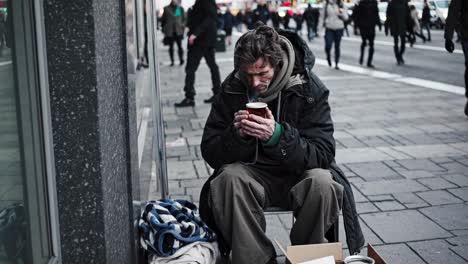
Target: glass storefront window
{"points": [[25, 230]]}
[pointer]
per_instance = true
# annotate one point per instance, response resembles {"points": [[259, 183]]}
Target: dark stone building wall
{"points": [[87, 70]]}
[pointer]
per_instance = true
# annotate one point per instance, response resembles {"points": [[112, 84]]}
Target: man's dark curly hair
{"points": [[262, 42]]}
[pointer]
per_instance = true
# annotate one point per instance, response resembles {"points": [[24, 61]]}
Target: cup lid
{"points": [[256, 105]]}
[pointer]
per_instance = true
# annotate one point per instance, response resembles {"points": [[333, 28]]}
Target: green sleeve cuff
{"points": [[275, 137]]}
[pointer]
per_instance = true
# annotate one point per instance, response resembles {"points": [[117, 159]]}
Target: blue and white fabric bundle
{"points": [[168, 225]]}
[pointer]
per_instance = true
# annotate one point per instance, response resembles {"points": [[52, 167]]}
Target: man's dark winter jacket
{"points": [[398, 17], [366, 15], [307, 141], [202, 22]]}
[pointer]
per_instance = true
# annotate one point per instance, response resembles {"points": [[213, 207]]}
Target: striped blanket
{"points": [[167, 225]]}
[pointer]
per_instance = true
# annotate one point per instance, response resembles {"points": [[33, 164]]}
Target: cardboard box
{"points": [[303, 253]]}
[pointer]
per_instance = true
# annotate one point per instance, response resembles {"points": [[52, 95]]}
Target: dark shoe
{"points": [[466, 108], [370, 66], [185, 103], [402, 61], [182, 62], [360, 60], [209, 100], [172, 64], [336, 67]]}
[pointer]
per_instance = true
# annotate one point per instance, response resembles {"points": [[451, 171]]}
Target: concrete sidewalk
{"points": [[403, 147]]}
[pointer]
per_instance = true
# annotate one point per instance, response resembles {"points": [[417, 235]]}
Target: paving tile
{"points": [[358, 197], [372, 171], [410, 200], [389, 205], [461, 193], [286, 219], [369, 235], [450, 217], [458, 240], [180, 170], [398, 254], [420, 164], [455, 167], [457, 179], [462, 251], [201, 169], [362, 208], [441, 160], [389, 187], [436, 183], [360, 155], [416, 174], [461, 232], [439, 197], [436, 251], [276, 231], [380, 198], [355, 179], [431, 151], [403, 226]]}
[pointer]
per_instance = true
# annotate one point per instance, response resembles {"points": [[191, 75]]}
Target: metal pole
{"points": [[160, 150]]}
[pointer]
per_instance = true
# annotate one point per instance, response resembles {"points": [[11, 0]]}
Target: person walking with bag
{"points": [[334, 18], [416, 29], [366, 17], [173, 26]]}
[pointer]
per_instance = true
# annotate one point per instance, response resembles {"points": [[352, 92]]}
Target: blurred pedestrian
{"points": [[298, 18], [287, 16], [173, 26], [275, 18], [219, 19], [310, 22], [366, 17], [334, 18], [249, 18], [239, 18], [398, 17], [201, 43], [228, 25], [416, 29], [261, 13], [458, 17], [316, 17], [426, 20]]}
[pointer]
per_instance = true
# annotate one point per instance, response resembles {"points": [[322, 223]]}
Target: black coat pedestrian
{"points": [[309, 16], [307, 141], [398, 17], [366, 15], [426, 15], [202, 22], [457, 19], [275, 19], [262, 14]]}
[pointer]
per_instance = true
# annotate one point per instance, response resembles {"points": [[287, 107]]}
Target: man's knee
{"points": [[320, 184], [235, 173]]}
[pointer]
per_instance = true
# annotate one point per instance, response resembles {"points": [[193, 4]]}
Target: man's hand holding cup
{"points": [[257, 121]]}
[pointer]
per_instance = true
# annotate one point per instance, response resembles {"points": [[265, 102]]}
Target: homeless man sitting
{"points": [[285, 159]]}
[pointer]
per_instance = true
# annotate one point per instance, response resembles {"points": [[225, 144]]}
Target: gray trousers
{"points": [[240, 193]]}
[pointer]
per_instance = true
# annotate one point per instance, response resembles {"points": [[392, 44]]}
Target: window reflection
{"points": [[13, 224]]}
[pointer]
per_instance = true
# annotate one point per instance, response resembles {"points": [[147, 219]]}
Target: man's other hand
{"points": [[259, 127], [238, 117], [449, 46], [191, 39]]}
